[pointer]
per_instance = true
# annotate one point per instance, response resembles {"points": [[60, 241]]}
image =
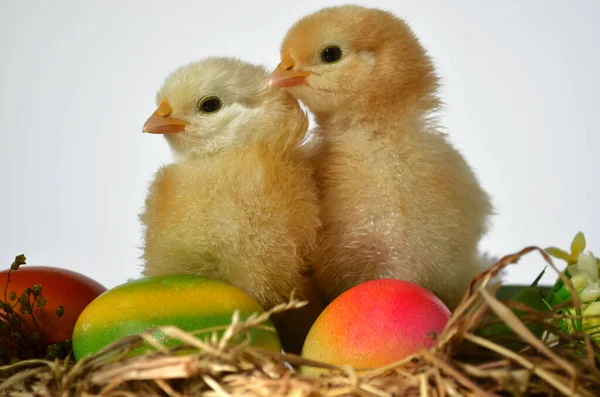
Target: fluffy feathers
{"points": [[397, 200], [239, 205]]}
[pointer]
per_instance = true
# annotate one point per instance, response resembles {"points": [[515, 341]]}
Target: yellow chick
{"points": [[239, 204], [397, 200]]}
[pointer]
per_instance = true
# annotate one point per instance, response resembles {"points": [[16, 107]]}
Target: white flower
{"points": [[586, 264], [580, 280], [593, 309], [591, 292]]}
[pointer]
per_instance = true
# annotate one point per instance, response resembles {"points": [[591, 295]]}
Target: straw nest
{"points": [[462, 363]]}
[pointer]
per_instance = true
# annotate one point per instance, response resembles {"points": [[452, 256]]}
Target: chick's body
{"points": [[397, 199], [247, 218], [239, 205], [405, 208]]}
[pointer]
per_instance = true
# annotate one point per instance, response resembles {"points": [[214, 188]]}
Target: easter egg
{"points": [[59, 287], [189, 302], [374, 324]]}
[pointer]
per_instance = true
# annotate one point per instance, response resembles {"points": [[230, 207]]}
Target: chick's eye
{"points": [[209, 105], [331, 54]]}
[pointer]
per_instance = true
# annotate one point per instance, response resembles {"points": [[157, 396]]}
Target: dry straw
{"points": [[462, 363]]}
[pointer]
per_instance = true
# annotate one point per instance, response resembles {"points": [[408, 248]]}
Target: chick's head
{"points": [[217, 104], [353, 59]]}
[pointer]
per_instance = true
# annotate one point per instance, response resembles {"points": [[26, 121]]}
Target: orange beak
{"points": [[285, 75], [161, 123]]}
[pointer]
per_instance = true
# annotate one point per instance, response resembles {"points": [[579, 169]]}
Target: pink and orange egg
{"points": [[376, 323]]}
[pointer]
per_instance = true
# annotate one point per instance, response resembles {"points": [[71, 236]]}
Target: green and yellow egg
{"points": [[189, 302]]}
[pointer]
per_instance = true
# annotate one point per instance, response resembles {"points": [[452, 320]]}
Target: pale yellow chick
{"points": [[397, 199], [239, 204]]}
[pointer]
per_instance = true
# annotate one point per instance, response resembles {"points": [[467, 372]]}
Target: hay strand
{"points": [[461, 363]]}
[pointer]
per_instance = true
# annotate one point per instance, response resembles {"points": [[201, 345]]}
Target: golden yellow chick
{"points": [[397, 199], [239, 204]]}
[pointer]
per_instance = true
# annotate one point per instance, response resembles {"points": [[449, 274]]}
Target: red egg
{"points": [[376, 323], [60, 287]]}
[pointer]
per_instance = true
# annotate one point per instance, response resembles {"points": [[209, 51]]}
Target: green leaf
{"points": [[558, 253], [539, 277], [557, 286], [40, 301], [561, 295], [548, 305], [501, 333], [60, 311], [578, 245], [532, 298], [506, 292]]}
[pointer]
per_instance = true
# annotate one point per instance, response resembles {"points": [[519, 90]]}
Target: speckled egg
{"points": [[189, 302], [374, 324]]}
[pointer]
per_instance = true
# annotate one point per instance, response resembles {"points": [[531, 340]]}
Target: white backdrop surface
{"points": [[78, 79]]}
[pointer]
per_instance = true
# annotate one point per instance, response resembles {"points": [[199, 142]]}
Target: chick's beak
{"points": [[285, 75], [161, 123]]}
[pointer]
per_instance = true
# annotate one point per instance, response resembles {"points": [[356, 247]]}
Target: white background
{"points": [[78, 79]]}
